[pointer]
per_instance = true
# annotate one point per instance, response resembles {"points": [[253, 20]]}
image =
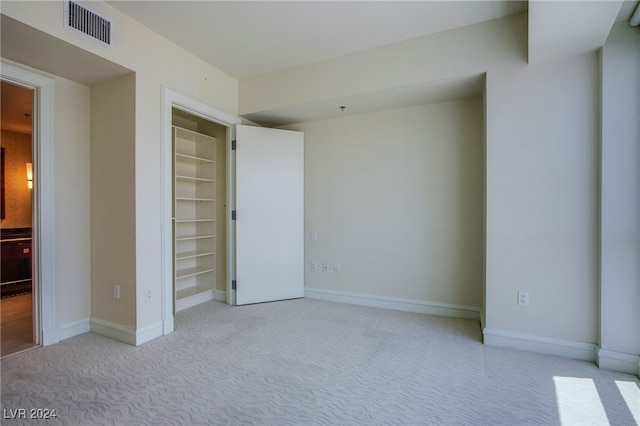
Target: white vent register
{"points": [[88, 22]]}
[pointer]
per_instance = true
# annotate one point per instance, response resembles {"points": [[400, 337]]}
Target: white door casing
{"points": [[45, 329], [172, 99]]}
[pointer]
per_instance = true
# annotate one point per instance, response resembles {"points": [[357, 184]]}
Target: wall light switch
{"points": [[116, 291], [325, 268]]}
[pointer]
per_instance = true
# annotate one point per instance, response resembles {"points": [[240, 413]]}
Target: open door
{"points": [[269, 215]]}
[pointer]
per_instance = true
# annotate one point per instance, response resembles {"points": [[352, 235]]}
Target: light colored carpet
{"points": [[308, 362]]}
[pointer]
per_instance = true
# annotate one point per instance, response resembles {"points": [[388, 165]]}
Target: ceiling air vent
{"points": [[88, 22]]}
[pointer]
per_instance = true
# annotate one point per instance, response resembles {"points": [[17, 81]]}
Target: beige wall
{"points": [[542, 135], [396, 198], [17, 153], [72, 187], [620, 192], [113, 227], [542, 198]]}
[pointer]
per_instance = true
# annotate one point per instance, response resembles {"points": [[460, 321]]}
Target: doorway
{"points": [[199, 213], [177, 108], [193, 109], [17, 303]]}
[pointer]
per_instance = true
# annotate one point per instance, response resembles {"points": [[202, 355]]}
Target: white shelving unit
{"points": [[194, 213]]}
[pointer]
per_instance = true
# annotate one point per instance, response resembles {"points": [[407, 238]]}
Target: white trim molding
{"points": [[544, 345], [618, 361], [220, 296], [172, 99], [75, 328], [127, 335], [482, 319], [398, 304], [44, 201], [149, 332], [114, 331], [194, 300], [205, 296]]}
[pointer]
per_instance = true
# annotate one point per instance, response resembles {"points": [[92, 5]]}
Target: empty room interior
{"points": [[345, 178]]}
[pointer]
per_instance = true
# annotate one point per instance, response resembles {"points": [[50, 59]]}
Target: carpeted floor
{"points": [[308, 362]]}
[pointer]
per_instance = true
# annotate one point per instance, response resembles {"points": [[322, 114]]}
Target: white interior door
{"points": [[269, 214]]}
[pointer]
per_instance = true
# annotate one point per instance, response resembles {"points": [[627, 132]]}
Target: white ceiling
{"points": [[249, 38], [398, 97], [560, 28]]}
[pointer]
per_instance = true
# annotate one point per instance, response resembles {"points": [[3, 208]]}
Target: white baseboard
{"points": [[168, 325], [150, 332], [220, 296], [75, 328], [124, 334], [618, 361], [482, 319], [544, 345], [113, 331], [193, 300], [407, 305], [55, 335], [49, 336]]}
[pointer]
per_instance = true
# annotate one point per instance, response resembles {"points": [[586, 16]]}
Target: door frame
{"points": [[172, 99], [43, 205]]}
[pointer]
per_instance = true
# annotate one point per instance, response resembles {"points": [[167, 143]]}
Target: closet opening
{"points": [[199, 224], [16, 231]]}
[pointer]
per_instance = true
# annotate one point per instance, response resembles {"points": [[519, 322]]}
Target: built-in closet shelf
{"points": [[193, 159], [192, 254], [199, 200], [194, 196], [194, 179], [193, 237], [192, 272]]}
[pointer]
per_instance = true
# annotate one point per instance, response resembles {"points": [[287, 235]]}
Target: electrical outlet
{"points": [[148, 295], [314, 266], [336, 268], [325, 268], [116, 291], [523, 298], [314, 236]]}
